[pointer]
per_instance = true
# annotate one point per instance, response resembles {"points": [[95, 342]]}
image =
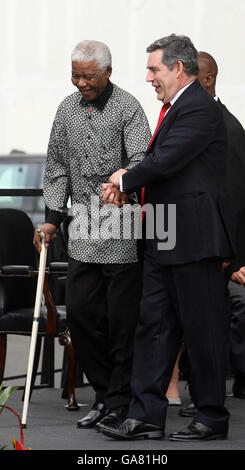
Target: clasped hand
{"points": [[111, 193], [239, 276]]}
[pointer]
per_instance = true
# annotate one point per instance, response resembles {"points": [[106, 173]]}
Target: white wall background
{"points": [[37, 37]]}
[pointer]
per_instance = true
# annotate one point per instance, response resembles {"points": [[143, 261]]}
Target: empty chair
{"points": [[18, 277]]}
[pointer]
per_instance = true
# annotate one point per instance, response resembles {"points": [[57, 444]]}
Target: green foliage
{"points": [[5, 393]]}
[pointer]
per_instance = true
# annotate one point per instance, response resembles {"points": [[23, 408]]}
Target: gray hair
{"points": [[177, 48], [92, 50]]}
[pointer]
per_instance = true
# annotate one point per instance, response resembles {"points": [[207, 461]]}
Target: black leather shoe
{"points": [[132, 429], [93, 417], [197, 432], [188, 411], [113, 418], [238, 389]]}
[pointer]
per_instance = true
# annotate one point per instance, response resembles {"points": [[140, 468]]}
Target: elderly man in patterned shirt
{"points": [[97, 130]]}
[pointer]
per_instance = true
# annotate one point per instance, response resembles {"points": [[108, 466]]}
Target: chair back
{"points": [[16, 248]]}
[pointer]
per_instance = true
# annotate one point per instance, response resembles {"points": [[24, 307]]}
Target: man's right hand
{"points": [[49, 231], [112, 195], [239, 276]]}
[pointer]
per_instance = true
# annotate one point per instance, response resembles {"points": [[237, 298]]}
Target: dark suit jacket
{"points": [[236, 182], [185, 166]]}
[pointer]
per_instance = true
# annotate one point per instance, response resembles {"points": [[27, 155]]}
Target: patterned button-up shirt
{"points": [[89, 142]]}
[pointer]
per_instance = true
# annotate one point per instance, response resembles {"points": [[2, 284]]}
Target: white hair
{"points": [[92, 50]]}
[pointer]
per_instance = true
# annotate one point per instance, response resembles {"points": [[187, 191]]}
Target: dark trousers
{"points": [[181, 302], [102, 309], [236, 350], [237, 325]]}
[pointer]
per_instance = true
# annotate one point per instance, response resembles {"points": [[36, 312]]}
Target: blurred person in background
{"points": [[235, 273]]}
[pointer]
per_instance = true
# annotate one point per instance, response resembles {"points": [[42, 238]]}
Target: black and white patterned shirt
{"points": [[89, 142]]}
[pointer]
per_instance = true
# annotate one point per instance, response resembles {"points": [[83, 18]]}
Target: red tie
{"points": [[161, 116]]}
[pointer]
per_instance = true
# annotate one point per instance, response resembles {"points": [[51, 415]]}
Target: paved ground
{"points": [[51, 427]]}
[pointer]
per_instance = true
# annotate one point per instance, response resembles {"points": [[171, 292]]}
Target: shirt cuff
{"points": [[120, 183], [54, 217]]}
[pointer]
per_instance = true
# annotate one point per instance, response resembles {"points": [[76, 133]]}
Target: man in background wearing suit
{"points": [[208, 71], [184, 288]]}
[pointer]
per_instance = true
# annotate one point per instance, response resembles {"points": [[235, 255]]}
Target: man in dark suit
{"points": [[183, 291], [235, 274]]}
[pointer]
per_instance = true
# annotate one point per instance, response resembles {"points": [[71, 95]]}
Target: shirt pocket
{"points": [[111, 149]]}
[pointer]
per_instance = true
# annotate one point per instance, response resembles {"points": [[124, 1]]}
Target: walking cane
{"points": [[35, 324]]}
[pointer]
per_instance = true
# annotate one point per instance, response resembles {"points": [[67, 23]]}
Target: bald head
{"points": [[208, 71]]}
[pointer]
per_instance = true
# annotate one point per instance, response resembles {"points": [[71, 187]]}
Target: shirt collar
{"points": [[172, 101], [101, 101]]}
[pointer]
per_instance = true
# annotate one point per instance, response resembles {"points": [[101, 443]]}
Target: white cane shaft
{"points": [[39, 294]]}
